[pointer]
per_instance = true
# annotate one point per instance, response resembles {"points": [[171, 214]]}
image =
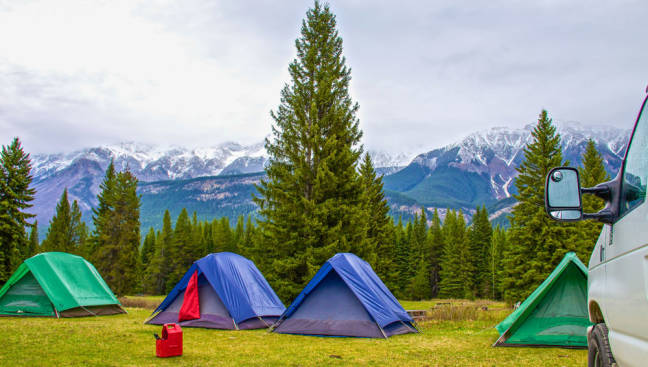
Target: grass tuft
{"points": [[139, 302]]}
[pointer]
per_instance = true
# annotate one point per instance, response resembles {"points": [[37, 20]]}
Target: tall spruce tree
{"points": [[480, 248], [380, 248], [102, 212], [311, 204], [15, 198], [496, 261], [223, 236], [451, 285], [157, 272], [183, 250], [404, 258], [456, 262], [591, 174], [34, 244], [537, 243], [66, 232], [419, 237], [116, 237], [208, 238], [246, 243], [148, 248], [435, 246], [419, 286], [239, 232]]}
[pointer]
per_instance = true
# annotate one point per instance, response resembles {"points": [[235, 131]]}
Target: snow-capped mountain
{"points": [[82, 171], [481, 168], [155, 163]]}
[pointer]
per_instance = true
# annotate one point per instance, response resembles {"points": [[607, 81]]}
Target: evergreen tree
{"points": [[419, 286], [456, 262], [404, 259], [537, 243], [435, 251], [480, 249], [66, 232], [223, 236], [148, 248], [419, 237], [34, 246], [55, 239], [380, 247], [183, 250], [239, 232], [208, 240], [15, 198], [83, 246], [496, 261], [399, 237], [197, 240], [591, 173], [311, 201], [116, 237], [157, 272], [247, 241], [102, 213]]}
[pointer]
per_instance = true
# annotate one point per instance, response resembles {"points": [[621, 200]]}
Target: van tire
{"points": [[599, 353]]}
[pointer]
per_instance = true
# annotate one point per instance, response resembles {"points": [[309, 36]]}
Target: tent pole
{"points": [[263, 321], [410, 327], [501, 339], [235, 326], [382, 331]]}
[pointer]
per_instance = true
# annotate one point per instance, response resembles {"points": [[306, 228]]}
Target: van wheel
{"points": [[599, 353]]}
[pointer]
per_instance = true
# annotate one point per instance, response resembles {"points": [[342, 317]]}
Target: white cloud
{"points": [[198, 72]]}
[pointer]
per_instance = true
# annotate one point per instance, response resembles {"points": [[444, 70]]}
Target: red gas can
{"points": [[170, 345]]}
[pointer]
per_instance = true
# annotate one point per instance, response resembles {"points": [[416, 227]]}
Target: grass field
{"points": [[459, 334]]}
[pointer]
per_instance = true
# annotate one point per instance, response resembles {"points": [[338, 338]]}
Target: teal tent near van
{"points": [[555, 314], [57, 284]]}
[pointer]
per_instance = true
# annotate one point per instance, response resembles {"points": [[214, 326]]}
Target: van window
{"points": [[635, 174]]}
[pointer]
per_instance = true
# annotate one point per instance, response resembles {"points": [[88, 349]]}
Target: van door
{"points": [[626, 257]]}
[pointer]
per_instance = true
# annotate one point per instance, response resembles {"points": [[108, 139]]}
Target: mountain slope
{"points": [[481, 168]]}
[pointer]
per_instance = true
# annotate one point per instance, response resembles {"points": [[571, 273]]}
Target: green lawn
{"points": [[124, 340]]}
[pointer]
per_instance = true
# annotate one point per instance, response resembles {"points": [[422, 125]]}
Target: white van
{"points": [[618, 268]]}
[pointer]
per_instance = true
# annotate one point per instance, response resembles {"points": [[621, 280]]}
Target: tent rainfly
{"points": [[555, 314], [57, 284], [220, 291], [345, 298]]}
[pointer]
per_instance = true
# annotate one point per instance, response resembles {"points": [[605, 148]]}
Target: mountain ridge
{"points": [[478, 169]]}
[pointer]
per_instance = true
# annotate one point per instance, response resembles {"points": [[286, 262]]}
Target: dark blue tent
{"points": [[345, 298], [231, 291]]}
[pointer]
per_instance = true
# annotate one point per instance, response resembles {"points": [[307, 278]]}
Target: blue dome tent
{"points": [[224, 291], [345, 298]]}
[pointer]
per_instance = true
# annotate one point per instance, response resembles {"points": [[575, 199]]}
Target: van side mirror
{"points": [[563, 195]]}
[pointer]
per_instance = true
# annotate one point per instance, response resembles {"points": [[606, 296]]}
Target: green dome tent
{"points": [[57, 284], [555, 314]]}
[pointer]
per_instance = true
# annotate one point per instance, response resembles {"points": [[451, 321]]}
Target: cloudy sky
{"points": [[75, 74]]}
